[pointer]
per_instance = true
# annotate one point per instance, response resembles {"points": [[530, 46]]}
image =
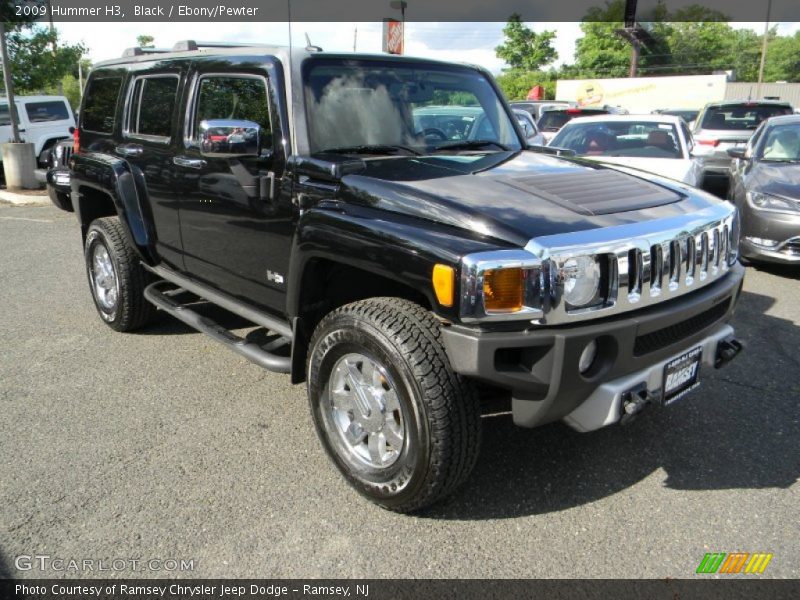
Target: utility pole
{"points": [[763, 52], [9, 83]]}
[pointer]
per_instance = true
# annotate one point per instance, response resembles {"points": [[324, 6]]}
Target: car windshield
{"points": [[647, 139], [553, 120], [385, 107], [782, 143], [741, 116]]}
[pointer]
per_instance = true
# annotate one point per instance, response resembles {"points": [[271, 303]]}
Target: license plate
{"points": [[682, 374]]}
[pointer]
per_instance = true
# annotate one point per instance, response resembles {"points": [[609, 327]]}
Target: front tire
{"points": [[116, 278], [400, 425]]}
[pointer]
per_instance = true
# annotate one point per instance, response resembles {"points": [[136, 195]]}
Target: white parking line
{"points": [[27, 219]]}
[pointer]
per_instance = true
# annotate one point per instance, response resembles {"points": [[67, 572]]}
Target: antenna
{"points": [[311, 47], [290, 81]]}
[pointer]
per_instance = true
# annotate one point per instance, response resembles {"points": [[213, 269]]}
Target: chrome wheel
{"points": [[364, 412], [104, 279]]}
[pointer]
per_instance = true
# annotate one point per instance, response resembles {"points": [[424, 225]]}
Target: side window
{"points": [[100, 104], [232, 97], [5, 117], [151, 107], [42, 112], [688, 135]]}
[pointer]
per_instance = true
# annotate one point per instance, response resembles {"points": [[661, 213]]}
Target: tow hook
{"points": [[635, 400], [726, 351]]}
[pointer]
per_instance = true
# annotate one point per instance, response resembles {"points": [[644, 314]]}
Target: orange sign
{"points": [[392, 36]]}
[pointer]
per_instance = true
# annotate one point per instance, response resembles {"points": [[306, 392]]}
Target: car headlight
{"points": [[580, 277], [761, 201]]}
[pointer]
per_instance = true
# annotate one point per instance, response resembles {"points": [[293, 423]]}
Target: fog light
{"points": [[587, 357], [762, 241]]}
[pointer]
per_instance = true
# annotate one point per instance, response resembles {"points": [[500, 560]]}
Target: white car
{"points": [[659, 144], [43, 120]]}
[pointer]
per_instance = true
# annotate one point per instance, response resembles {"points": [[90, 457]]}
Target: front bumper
{"points": [[780, 227], [58, 188], [539, 366]]}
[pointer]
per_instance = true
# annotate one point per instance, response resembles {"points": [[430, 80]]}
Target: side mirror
{"points": [[229, 138], [736, 152]]}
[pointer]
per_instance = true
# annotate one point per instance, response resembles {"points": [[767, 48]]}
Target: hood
{"points": [[776, 179], [679, 169], [515, 196]]}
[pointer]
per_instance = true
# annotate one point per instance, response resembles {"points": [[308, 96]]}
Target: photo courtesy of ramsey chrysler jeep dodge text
{"points": [[399, 265]]}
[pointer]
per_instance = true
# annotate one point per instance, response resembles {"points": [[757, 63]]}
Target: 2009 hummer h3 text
{"points": [[399, 255]]}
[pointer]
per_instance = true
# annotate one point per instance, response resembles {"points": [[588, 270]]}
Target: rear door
{"points": [[236, 214]]}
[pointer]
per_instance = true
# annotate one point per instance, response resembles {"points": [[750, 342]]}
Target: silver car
{"points": [[724, 125]]}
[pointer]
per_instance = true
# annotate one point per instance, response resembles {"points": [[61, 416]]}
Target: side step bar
{"points": [[250, 350], [223, 300]]}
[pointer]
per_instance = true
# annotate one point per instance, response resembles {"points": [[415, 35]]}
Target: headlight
{"points": [[580, 277], [761, 201]]}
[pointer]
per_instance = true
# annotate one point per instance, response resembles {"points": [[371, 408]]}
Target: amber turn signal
{"points": [[444, 281], [503, 290]]}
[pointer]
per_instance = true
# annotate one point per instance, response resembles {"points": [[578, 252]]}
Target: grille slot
{"points": [[661, 338]]}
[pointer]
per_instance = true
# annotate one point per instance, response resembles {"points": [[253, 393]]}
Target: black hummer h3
{"points": [[384, 220]]}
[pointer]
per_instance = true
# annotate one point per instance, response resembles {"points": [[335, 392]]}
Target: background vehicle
{"points": [[43, 120], [688, 115], [393, 263], [765, 186], [58, 177], [528, 127], [657, 144], [535, 107], [553, 119], [723, 125]]}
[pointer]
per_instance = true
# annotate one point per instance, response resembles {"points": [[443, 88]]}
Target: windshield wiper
{"points": [[372, 149], [470, 144]]}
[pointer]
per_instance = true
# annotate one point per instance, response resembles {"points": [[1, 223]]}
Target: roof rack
{"points": [[188, 45], [137, 51]]}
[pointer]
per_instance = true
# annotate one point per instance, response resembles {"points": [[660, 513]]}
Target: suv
{"points": [[396, 273], [724, 125], [43, 120]]}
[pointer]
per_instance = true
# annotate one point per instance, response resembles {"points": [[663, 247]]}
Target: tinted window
{"points": [[553, 120], [100, 103], [41, 112], [741, 116], [239, 98], [152, 106], [5, 117], [621, 138]]}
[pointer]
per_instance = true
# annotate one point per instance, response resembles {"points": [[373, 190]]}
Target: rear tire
{"points": [[116, 277], [399, 424]]}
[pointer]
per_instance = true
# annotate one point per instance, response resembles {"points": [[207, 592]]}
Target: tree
{"points": [[145, 41], [36, 65], [783, 59], [516, 83], [525, 49]]}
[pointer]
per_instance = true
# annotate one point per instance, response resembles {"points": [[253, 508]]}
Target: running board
{"points": [[251, 351], [223, 300]]}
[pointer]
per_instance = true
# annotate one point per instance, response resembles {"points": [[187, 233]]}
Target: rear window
{"points": [[151, 107], [553, 120], [42, 112], [741, 116], [644, 139], [100, 104]]}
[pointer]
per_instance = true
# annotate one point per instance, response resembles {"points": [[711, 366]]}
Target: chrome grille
{"points": [[644, 263]]}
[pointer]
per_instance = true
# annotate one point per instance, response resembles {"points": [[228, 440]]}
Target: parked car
{"points": [[723, 125], [688, 115], [395, 271], [654, 143], [765, 186], [58, 177], [528, 127], [553, 119], [534, 107], [43, 121]]}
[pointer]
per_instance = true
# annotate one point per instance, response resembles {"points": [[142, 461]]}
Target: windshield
{"points": [[741, 116], [782, 143], [646, 139], [386, 104]]}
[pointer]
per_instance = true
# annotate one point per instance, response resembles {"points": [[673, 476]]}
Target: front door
{"points": [[236, 222]]}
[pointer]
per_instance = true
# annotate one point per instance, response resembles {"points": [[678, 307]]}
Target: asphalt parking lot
{"points": [[162, 444]]}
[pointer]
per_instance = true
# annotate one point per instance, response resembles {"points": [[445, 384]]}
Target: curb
{"points": [[24, 199]]}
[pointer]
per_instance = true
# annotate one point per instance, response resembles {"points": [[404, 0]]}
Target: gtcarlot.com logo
{"points": [[735, 562]]}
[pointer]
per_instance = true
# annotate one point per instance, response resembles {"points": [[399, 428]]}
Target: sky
{"points": [[461, 42]]}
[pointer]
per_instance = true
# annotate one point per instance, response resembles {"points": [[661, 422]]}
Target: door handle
{"points": [[189, 163], [129, 150]]}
